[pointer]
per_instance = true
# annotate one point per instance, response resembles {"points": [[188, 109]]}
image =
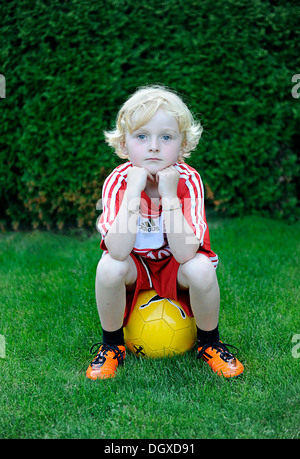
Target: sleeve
{"points": [[112, 195], [193, 205]]}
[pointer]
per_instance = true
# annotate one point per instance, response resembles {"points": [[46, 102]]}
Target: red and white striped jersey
{"points": [[151, 240]]}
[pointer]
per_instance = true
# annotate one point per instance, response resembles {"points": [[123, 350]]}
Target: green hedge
{"points": [[70, 64]]}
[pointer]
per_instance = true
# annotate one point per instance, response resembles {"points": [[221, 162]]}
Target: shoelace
{"points": [[225, 354], [101, 357]]}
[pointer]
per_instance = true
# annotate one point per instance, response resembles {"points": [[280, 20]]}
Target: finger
{"points": [[150, 177]]}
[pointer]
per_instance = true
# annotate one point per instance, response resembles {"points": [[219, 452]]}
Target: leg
{"points": [[112, 279], [199, 276]]}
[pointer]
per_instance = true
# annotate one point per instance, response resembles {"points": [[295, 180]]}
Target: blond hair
{"points": [[141, 107]]}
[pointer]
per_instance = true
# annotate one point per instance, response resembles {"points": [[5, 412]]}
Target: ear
{"points": [[123, 148], [183, 145], [181, 153]]}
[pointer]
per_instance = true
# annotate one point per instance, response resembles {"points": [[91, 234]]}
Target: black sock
{"points": [[205, 337], [114, 337]]}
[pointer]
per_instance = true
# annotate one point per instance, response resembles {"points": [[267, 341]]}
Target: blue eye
{"points": [[166, 137], [141, 136]]}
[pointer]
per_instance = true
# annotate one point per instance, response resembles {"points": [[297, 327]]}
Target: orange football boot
{"points": [[220, 359], [105, 364]]}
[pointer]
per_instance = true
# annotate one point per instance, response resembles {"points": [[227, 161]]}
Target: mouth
{"points": [[153, 159]]}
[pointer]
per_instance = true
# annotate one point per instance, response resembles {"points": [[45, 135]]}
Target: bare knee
{"points": [[112, 272], [198, 272]]}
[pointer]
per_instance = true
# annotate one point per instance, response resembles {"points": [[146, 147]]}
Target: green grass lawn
{"points": [[49, 321]]}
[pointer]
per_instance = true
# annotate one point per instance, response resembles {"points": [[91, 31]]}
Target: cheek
{"points": [[132, 151], [173, 152], [135, 157]]}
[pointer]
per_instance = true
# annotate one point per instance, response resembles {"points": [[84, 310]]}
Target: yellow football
{"points": [[159, 327]]}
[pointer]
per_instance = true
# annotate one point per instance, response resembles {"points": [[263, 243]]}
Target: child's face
{"points": [[156, 145]]}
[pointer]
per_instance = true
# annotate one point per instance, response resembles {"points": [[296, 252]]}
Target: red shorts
{"points": [[160, 275]]}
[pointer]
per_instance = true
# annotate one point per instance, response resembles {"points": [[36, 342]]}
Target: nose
{"points": [[154, 145]]}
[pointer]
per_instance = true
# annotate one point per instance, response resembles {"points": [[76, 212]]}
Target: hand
{"points": [[137, 179], [168, 179]]}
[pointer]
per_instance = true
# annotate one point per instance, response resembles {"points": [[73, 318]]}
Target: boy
{"points": [[154, 229]]}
